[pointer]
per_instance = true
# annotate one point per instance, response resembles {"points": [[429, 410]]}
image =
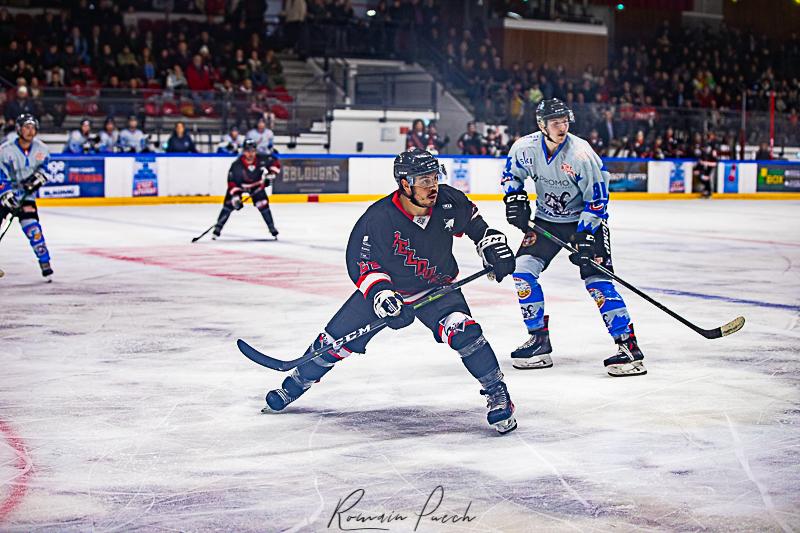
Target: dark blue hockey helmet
{"points": [[552, 108], [413, 163], [26, 118]]}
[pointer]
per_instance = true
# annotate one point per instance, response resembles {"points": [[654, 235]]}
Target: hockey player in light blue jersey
{"points": [[571, 199], [23, 170]]}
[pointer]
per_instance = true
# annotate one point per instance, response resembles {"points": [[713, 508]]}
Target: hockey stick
{"points": [[214, 224], [726, 329], [278, 364], [10, 222]]}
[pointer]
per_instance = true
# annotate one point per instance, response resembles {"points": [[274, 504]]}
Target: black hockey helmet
{"points": [[249, 144], [552, 108], [26, 118], [415, 162]]}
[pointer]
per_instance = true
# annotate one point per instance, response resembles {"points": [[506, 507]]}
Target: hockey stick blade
{"points": [[265, 360], [726, 329], [283, 366]]}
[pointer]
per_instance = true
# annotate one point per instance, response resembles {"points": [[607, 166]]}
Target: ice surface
{"points": [[125, 405]]}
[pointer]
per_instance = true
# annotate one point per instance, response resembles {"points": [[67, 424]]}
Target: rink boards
{"points": [[167, 178]]}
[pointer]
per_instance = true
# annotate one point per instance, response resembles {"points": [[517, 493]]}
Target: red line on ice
{"points": [[268, 270], [18, 484]]}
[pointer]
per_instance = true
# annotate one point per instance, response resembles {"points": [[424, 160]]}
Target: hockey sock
{"points": [[33, 230], [313, 370], [531, 300], [266, 214], [476, 353], [611, 306], [223, 217]]}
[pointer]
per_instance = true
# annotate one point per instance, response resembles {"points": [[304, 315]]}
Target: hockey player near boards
{"points": [[571, 200], [399, 250], [23, 170], [251, 173]]}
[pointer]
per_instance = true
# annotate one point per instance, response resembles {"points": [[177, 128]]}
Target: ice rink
{"points": [[125, 405]]}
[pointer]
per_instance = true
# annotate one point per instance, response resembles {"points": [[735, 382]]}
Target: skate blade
{"points": [[635, 368], [541, 361], [267, 410], [506, 426]]}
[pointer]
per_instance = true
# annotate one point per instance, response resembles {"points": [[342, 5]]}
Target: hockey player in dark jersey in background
{"points": [[251, 173], [400, 249], [571, 199], [23, 170]]}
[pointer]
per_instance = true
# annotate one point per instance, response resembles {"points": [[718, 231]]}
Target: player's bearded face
{"points": [[27, 132], [249, 155], [426, 189]]}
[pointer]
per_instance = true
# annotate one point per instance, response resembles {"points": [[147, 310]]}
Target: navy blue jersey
{"points": [[392, 249], [252, 177]]}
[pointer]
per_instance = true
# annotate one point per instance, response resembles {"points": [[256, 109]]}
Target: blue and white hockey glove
{"points": [[518, 209], [9, 201], [389, 305], [34, 182], [584, 243], [493, 249]]}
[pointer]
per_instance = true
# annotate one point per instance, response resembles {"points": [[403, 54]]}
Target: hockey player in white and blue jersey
{"points": [[571, 199], [23, 170]]}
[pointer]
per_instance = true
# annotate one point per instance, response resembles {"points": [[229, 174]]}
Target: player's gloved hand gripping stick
{"points": [[726, 329], [283, 366]]}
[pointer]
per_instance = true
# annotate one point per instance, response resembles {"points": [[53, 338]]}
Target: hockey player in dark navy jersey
{"points": [[251, 173], [400, 249]]}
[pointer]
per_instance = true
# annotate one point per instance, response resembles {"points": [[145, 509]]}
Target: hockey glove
{"points": [[583, 242], [389, 305], [518, 209], [33, 182], [9, 201], [493, 249], [236, 201]]}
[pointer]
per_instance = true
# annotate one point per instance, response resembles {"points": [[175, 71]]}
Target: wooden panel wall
{"points": [[572, 50], [775, 18]]}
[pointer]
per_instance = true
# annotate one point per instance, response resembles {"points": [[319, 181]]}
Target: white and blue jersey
{"points": [[108, 141], [132, 141], [17, 165], [571, 184], [75, 142]]}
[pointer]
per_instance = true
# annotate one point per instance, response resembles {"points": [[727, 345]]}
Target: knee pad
{"points": [[610, 304], [462, 333], [530, 264], [262, 204]]}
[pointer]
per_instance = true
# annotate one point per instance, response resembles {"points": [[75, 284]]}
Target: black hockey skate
{"points": [[47, 271], [215, 234], [501, 408], [628, 361], [291, 389], [274, 232], [534, 352]]}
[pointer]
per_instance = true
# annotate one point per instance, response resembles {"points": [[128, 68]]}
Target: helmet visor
{"points": [[428, 180]]}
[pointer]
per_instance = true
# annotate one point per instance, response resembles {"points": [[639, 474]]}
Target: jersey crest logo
{"points": [[557, 204], [567, 169], [421, 266], [449, 224]]}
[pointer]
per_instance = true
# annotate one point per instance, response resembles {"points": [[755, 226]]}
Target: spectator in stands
{"points": [[176, 82], [493, 143], [109, 137], [294, 13], [596, 142], [258, 72], [608, 128], [274, 69], [180, 140], [198, 77], [133, 139], [435, 143], [263, 137], [417, 137], [763, 152], [471, 142], [106, 65], [231, 143], [21, 104], [54, 92], [637, 147]]}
